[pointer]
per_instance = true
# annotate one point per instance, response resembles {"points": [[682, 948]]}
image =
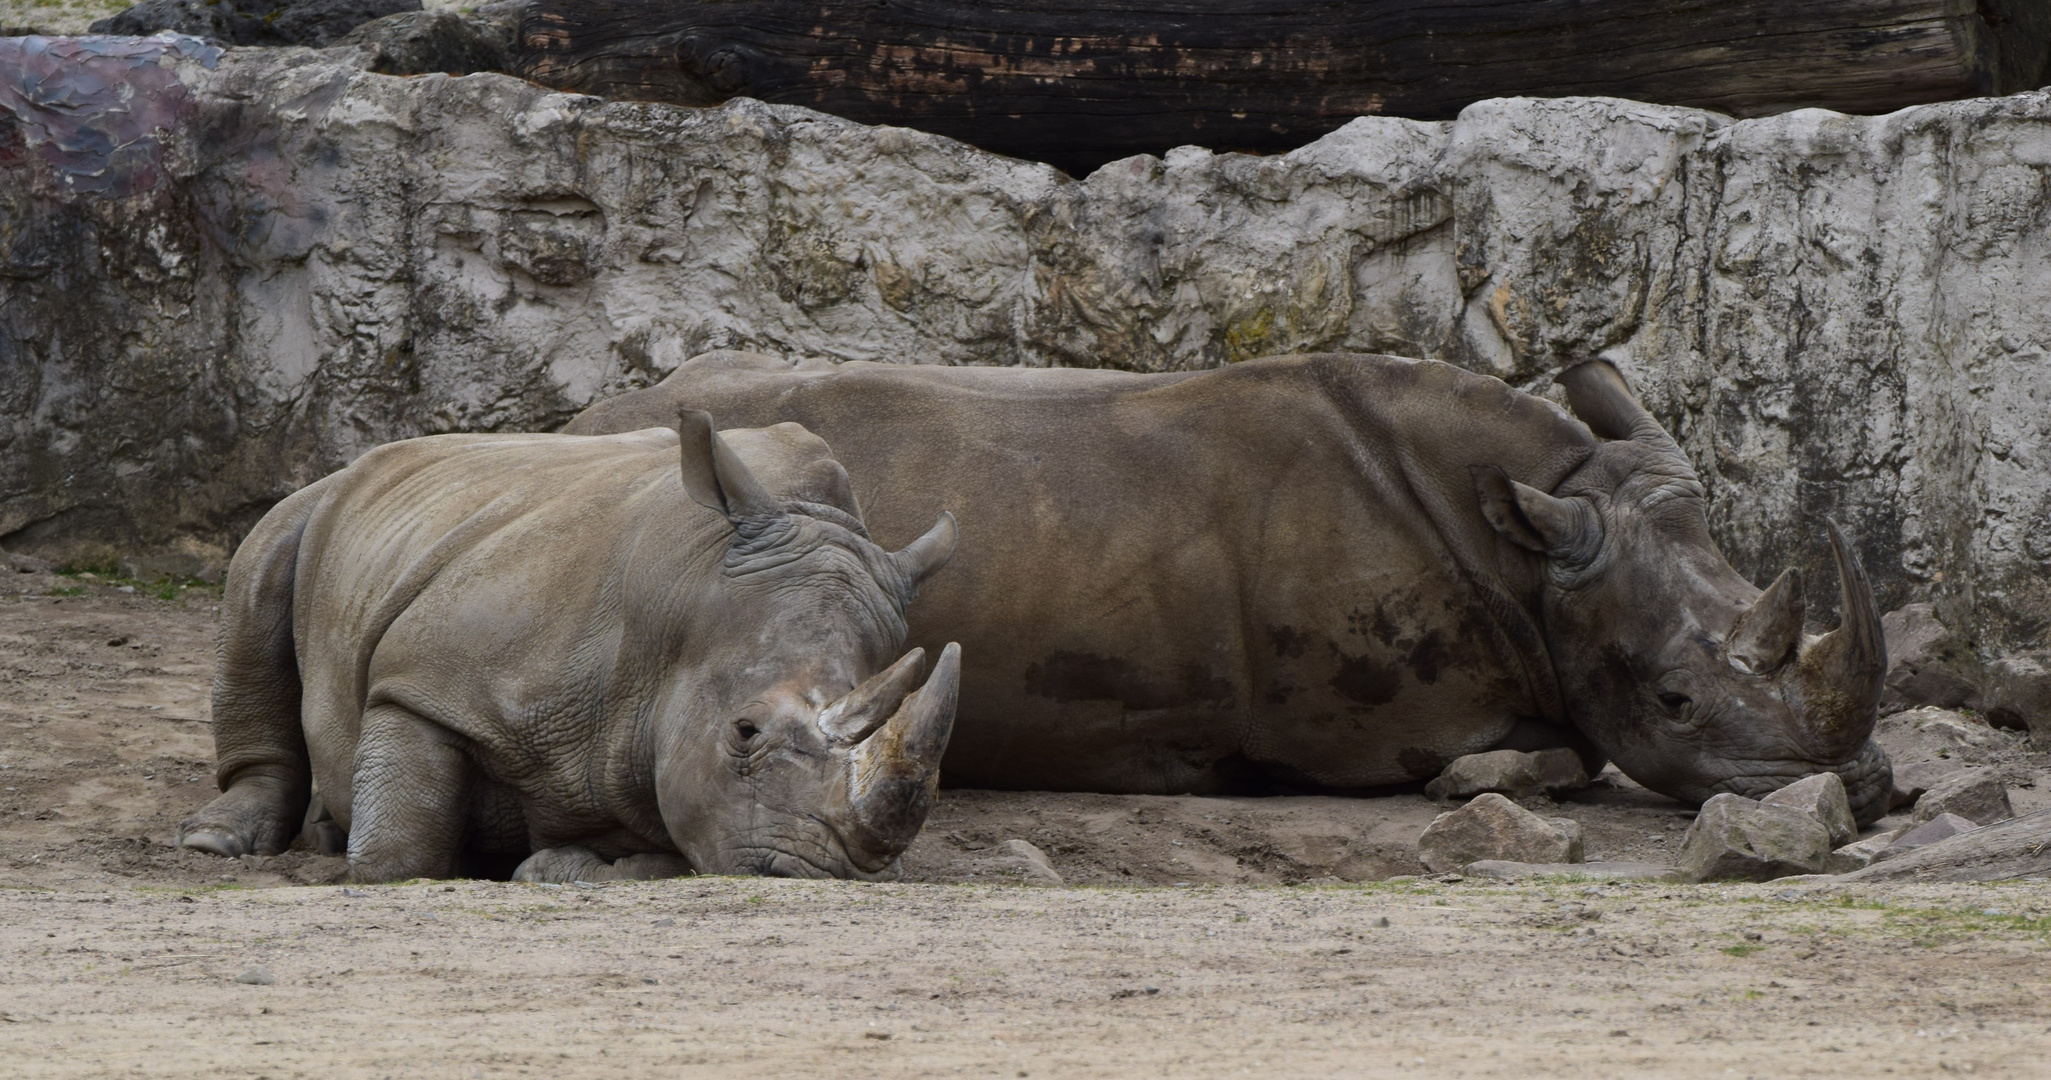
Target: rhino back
{"points": [[511, 588], [1169, 582]]}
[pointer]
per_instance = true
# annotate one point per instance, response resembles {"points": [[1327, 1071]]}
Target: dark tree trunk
{"points": [[1078, 84]]}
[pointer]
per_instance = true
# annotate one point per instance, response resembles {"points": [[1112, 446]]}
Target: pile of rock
{"points": [[1806, 828]]}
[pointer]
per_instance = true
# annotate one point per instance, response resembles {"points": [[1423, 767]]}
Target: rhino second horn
{"points": [[1597, 393], [867, 707], [1766, 635], [1841, 673], [897, 771], [929, 552], [714, 476]]}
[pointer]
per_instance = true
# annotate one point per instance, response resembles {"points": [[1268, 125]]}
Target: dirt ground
{"points": [[1195, 937]]}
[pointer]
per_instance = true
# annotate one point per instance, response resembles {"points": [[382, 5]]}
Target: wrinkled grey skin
{"points": [[620, 656], [1323, 572]]}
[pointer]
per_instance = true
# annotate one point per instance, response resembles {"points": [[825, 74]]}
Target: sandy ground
{"points": [[1196, 937]]}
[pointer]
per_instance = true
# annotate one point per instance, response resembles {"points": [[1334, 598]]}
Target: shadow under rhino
{"points": [[630, 656]]}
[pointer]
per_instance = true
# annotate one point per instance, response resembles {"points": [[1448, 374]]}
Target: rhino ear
{"points": [[1530, 518], [714, 476]]}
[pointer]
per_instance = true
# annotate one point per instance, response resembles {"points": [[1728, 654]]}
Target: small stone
{"points": [[1736, 839], [1509, 772], [26, 564], [1941, 827], [257, 976], [1028, 861], [1978, 795], [2018, 693], [1381, 923], [1822, 797], [1860, 854], [1493, 827], [1559, 770]]}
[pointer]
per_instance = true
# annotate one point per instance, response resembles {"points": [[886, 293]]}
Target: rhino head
{"points": [[796, 747], [1693, 680]]}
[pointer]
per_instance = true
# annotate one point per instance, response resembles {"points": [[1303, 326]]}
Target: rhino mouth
{"points": [[826, 856], [1868, 781]]}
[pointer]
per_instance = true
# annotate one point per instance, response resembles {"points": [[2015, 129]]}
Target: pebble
{"points": [[257, 976]]}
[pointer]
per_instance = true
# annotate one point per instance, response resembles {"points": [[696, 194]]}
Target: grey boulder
{"points": [[1491, 827], [1513, 773], [1926, 663], [2018, 693], [1928, 745], [1977, 795], [1736, 839], [1822, 797]]}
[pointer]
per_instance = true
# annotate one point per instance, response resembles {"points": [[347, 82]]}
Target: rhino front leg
{"points": [[412, 781], [560, 865]]}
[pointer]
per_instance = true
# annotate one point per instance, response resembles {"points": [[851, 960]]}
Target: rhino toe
{"points": [[562, 865], [227, 845]]}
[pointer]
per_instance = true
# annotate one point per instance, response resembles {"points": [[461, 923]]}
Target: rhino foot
{"points": [[258, 815], [561, 865]]}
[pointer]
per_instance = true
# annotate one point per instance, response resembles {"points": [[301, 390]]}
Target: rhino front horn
{"points": [[896, 771], [1840, 675]]}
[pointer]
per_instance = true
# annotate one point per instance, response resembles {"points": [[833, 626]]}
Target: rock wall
{"points": [[271, 260]]}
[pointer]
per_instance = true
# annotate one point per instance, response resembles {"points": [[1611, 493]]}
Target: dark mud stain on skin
{"points": [[1071, 676], [1428, 656], [1288, 641], [1361, 679]]}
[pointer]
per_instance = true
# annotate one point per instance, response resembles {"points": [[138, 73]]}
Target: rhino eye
{"points": [[1674, 702], [746, 729]]}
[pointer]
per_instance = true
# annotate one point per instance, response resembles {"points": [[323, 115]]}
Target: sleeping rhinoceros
{"points": [[1324, 572], [480, 646]]}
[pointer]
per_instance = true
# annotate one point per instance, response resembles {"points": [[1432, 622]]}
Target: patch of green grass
{"points": [[1741, 950], [68, 590]]}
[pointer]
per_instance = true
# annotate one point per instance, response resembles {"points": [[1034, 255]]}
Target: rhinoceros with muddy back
{"points": [[1324, 572], [627, 656]]}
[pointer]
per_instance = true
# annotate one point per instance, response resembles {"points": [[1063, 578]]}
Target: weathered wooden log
{"points": [[1078, 84]]}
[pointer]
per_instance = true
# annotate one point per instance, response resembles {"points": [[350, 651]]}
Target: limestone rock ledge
{"points": [[268, 261]]}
